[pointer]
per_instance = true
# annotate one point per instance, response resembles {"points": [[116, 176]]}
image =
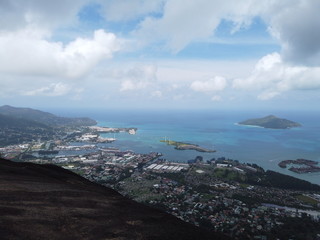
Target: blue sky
{"points": [[210, 54]]}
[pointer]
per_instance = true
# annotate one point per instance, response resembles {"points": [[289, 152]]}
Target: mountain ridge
{"points": [[44, 117], [21, 125]]}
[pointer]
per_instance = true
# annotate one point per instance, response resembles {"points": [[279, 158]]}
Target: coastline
{"points": [[229, 140], [253, 126]]}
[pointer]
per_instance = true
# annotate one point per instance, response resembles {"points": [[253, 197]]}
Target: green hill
{"points": [[44, 117], [20, 125], [271, 121]]}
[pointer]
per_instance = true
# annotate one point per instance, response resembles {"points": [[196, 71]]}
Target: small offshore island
{"points": [[310, 166], [186, 146], [98, 129], [270, 121]]}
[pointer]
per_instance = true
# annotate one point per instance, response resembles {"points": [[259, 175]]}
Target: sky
{"points": [[155, 54]]}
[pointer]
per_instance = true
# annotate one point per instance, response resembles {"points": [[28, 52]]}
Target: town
{"points": [[220, 194]]}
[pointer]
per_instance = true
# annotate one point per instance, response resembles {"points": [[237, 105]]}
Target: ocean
{"points": [[216, 130]]}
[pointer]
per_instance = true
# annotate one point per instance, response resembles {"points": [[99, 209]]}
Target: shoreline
{"points": [[148, 141], [253, 126]]}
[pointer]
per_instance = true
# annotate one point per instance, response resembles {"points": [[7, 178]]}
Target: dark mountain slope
{"points": [[48, 202], [44, 117]]}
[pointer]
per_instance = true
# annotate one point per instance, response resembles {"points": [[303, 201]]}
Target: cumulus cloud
{"points": [[273, 76], [181, 24], [29, 48], [295, 25], [214, 84], [29, 52]]}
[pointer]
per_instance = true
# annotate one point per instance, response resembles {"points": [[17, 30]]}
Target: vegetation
{"points": [[186, 146], [278, 180], [45, 118], [271, 122], [178, 177], [229, 175], [20, 125], [307, 200], [299, 229]]}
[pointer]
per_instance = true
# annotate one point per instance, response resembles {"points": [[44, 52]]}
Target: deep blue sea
{"points": [[217, 130]]}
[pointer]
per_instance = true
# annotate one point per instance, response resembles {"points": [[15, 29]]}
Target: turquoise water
{"points": [[218, 130]]}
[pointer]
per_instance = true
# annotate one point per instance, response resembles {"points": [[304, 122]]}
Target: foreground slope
{"points": [[48, 202]]}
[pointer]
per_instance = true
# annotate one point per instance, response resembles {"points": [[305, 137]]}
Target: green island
{"points": [[186, 146], [270, 121]]}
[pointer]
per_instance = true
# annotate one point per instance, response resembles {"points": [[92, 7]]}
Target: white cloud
{"points": [[181, 24], [57, 89], [295, 25], [29, 52], [35, 63], [273, 76], [214, 84]]}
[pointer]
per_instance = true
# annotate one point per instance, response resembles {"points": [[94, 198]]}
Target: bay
{"points": [[216, 130]]}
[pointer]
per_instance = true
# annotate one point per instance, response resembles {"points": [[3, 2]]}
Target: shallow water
{"points": [[218, 130]]}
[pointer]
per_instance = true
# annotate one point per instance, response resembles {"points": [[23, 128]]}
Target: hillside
{"points": [[15, 130], [19, 123], [271, 121], [44, 117], [49, 202]]}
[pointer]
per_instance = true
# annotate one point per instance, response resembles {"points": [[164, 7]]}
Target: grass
{"points": [[207, 197], [228, 174], [244, 185], [140, 190], [307, 200]]}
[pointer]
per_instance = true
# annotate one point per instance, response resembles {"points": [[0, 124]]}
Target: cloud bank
{"points": [[273, 76], [46, 49], [29, 52]]}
